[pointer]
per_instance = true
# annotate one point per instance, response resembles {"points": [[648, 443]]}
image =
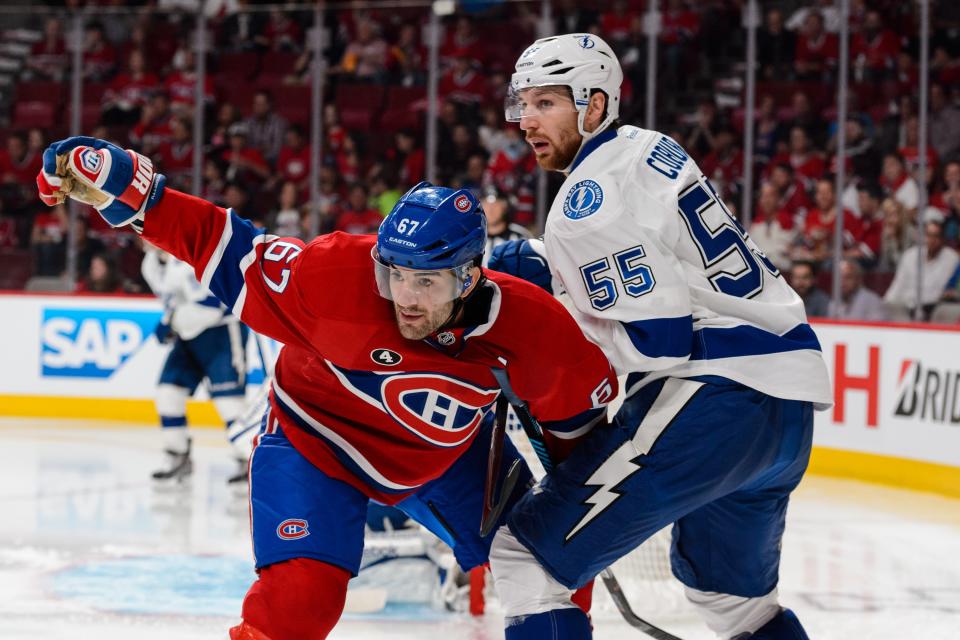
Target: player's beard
{"points": [[564, 150], [426, 324]]}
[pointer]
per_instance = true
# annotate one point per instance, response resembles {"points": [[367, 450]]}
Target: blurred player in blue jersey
{"points": [[384, 385], [723, 370], [207, 342]]}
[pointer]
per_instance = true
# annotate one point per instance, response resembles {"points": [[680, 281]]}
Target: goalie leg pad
{"points": [[299, 599]]}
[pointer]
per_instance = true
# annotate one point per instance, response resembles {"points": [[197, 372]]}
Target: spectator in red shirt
{"points": [[102, 277], [462, 40], [866, 249], [182, 83], [461, 83], [154, 126], [791, 194], [724, 165], [679, 27], [245, 163], [808, 163], [281, 33], [874, 50], [512, 170], [129, 91], [99, 58], [18, 163], [48, 58], [293, 162], [48, 240], [615, 23], [817, 50], [817, 241], [176, 155], [409, 158], [358, 216]]}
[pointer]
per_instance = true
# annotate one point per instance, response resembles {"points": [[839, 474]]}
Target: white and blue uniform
{"points": [[723, 376], [208, 342]]}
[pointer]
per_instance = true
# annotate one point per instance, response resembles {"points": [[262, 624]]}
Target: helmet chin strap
{"points": [[585, 136], [458, 305]]}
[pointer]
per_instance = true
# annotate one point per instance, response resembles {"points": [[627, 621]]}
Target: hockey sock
{"points": [[558, 624], [299, 599]]}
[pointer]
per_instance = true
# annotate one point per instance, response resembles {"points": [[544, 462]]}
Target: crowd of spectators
{"points": [[141, 69]]}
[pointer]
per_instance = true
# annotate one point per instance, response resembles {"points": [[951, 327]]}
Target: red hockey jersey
{"points": [[362, 403]]}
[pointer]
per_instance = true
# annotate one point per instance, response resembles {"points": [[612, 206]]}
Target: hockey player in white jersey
{"points": [[723, 370], [207, 341]]}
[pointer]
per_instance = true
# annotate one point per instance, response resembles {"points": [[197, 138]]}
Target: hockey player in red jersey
{"points": [[384, 387]]}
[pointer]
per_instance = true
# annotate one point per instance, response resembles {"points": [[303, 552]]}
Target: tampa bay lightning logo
{"points": [[440, 409], [583, 200], [586, 42]]}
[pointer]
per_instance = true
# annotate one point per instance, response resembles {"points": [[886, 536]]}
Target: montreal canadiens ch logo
{"points": [[462, 203], [293, 529], [583, 200], [439, 409]]}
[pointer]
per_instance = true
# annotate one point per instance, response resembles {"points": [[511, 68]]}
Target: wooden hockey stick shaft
{"points": [[534, 432]]}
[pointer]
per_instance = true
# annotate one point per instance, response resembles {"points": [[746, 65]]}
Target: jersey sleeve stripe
{"points": [[661, 337], [217, 255], [747, 340], [238, 252]]}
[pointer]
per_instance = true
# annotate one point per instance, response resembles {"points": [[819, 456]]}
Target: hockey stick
{"points": [[494, 502], [534, 432]]}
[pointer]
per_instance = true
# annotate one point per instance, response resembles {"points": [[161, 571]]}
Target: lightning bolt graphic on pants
{"points": [[615, 470], [608, 477]]}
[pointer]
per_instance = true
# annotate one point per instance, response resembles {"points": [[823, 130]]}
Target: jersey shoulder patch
{"points": [[583, 199]]}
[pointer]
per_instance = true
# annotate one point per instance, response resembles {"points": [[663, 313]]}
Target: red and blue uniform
{"points": [[366, 407]]}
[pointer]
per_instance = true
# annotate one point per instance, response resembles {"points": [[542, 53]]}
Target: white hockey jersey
{"points": [[189, 308], [666, 282]]}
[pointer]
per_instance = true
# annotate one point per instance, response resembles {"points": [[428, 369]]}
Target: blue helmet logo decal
{"points": [[583, 199], [586, 42]]}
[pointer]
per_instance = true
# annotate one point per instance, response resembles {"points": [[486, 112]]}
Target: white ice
{"points": [[88, 549]]}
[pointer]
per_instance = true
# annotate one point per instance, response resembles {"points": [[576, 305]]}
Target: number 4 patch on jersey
{"points": [[386, 357]]}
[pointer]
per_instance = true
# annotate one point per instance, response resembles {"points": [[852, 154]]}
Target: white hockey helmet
{"points": [[581, 61]]}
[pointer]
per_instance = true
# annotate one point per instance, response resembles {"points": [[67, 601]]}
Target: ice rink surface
{"points": [[90, 550]]}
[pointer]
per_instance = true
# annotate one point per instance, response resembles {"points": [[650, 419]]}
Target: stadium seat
{"points": [[35, 113], [278, 63], [41, 92], [359, 104], [16, 267], [243, 64], [404, 108], [293, 104]]}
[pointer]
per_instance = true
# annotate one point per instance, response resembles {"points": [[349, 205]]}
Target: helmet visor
{"points": [[417, 287], [542, 101]]}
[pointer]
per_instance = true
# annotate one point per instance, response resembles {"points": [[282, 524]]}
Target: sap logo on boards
{"points": [[91, 343]]}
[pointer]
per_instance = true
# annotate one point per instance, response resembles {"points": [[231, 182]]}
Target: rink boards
{"points": [[895, 419]]}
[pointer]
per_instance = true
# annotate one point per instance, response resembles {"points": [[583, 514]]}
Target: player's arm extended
{"points": [[251, 273]]}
